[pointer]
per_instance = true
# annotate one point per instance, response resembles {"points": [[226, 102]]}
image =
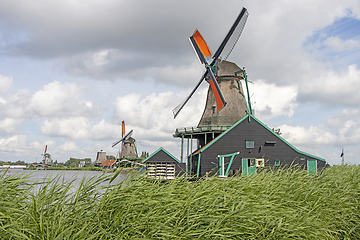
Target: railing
{"points": [[200, 129]]}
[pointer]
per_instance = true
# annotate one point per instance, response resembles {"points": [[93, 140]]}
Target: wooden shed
{"points": [[246, 147], [163, 165]]}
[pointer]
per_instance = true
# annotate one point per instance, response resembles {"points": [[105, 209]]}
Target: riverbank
{"points": [[71, 168]]}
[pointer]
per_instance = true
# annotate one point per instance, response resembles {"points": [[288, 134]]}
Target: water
{"points": [[41, 175]]}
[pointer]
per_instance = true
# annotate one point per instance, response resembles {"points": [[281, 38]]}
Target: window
{"points": [[277, 163], [213, 109], [260, 162], [251, 162], [250, 144], [270, 143]]}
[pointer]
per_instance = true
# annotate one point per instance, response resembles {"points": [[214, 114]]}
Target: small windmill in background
{"points": [[46, 157], [127, 148]]}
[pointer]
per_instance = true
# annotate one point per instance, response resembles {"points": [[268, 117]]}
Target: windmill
{"points": [[46, 157], [204, 54], [128, 148], [226, 102]]}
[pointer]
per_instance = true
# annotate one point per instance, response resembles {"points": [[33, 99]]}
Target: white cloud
{"points": [[271, 101], [73, 127], [60, 99], [327, 140], [347, 125], [68, 147], [13, 144], [338, 120], [9, 125], [51, 144], [340, 45], [98, 59], [5, 83], [104, 130], [333, 88], [16, 106], [154, 115], [79, 128], [341, 129], [307, 136], [180, 75], [16, 146]]}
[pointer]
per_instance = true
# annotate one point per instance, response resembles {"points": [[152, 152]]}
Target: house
{"points": [[244, 148], [41, 166], [163, 165], [108, 164]]}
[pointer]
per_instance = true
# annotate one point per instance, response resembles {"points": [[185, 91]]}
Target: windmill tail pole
{"points": [[247, 89]]}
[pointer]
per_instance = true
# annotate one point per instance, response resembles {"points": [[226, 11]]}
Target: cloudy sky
{"points": [[72, 70]]}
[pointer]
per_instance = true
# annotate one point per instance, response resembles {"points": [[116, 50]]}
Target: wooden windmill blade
{"points": [[178, 108], [127, 136], [219, 97], [123, 128], [43, 154], [231, 38], [200, 47], [116, 143]]}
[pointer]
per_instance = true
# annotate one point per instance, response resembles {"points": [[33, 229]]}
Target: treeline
{"points": [[75, 162], [19, 162], [72, 162]]}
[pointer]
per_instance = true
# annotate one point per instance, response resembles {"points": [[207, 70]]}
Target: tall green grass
{"points": [[279, 204]]}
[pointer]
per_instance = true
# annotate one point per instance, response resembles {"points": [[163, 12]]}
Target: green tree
{"points": [[74, 162], [20, 162], [60, 165], [144, 154]]}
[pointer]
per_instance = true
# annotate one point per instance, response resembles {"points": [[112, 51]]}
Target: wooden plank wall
{"points": [[234, 141]]}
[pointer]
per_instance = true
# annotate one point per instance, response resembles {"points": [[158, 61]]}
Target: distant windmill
{"points": [[46, 157], [217, 61], [128, 148]]}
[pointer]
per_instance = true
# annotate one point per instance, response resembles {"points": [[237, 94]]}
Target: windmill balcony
{"points": [[187, 131]]}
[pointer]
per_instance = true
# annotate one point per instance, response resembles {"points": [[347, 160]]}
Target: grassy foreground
{"points": [[271, 205]]}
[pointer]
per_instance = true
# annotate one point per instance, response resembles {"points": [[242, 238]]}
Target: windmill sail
{"points": [[232, 37], [203, 52], [123, 129], [220, 100], [200, 47], [182, 104], [127, 136]]}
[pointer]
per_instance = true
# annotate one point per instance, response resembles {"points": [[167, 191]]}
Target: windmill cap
{"points": [[226, 68]]}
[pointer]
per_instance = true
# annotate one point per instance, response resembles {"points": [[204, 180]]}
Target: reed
{"points": [[280, 204]]}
